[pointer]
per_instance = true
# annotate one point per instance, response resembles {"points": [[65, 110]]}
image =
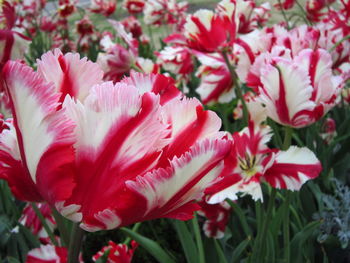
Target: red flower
{"points": [[125, 153], [217, 218], [299, 92], [47, 254], [209, 32], [31, 221], [117, 253], [104, 7], [134, 6], [251, 162]]}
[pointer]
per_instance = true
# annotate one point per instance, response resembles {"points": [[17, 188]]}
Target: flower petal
{"points": [[45, 136], [70, 74], [292, 168], [165, 191]]}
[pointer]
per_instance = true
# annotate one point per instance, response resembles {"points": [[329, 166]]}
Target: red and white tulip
{"points": [[31, 221], [217, 216], [104, 7], [145, 151], [299, 92], [252, 162], [117, 253]]}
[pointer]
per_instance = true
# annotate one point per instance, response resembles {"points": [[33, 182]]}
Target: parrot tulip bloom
{"points": [[134, 6], [47, 254], [118, 253], [251, 162], [216, 81], [177, 60], [128, 152], [217, 218], [299, 92], [31, 221], [207, 31], [104, 7]]}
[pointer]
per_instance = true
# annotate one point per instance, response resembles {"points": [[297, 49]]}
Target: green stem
{"points": [[225, 123], [286, 235], [284, 14], [76, 241], [307, 21], [287, 138], [134, 229], [237, 88], [339, 42], [44, 223], [197, 233], [61, 226], [262, 235], [222, 258]]}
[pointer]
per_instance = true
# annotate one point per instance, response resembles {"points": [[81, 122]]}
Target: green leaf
{"points": [[242, 218], [187, 242], [31, 239], [151, 246], [300, 238], [222, 258], [12, 260], [271, 254], [239, 250]]}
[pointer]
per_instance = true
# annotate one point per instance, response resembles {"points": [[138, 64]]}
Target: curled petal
{"points": [[45, 136], [70, 74], [286, 92], [169, 192], [292, 168]]}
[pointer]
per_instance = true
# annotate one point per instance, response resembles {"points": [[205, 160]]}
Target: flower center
{"points": [[248, 165]]}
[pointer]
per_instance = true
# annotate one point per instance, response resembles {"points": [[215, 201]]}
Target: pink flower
{"points": [[31, 221], [146, 65], [176, 60], [134, 6], [66, 7], [209, 32], [132, 25], [251, 162], [286, 4], [299, 92], [316, 9], [116, 62], [328, 130], [47, 25], [84, 26], [217, 218], [159, 12], [117, 253], [104, 7], [216, 84], [13, 45], [137, 147], [47, 254]]}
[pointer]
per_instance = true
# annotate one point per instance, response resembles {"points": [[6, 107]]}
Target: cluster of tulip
{"points": [[108, 141]]}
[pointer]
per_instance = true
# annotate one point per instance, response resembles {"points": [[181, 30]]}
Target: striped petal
{"points": [[119, 133], [189, 123], [170, 192], [326, 86], [12, 169], [292, 168], [44, 136], [156, 83], [70, 74], [286, 92], [47, 254]]}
